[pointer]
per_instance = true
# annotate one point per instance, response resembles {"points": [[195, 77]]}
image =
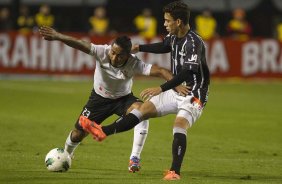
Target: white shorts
{"points": [[169, 102]]}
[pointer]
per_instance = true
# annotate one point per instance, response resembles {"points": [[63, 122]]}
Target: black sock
{"points": [[121, 125], [178, 151]]}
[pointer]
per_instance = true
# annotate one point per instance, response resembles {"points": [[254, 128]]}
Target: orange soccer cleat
{"points": [[171, 175], [93, 128]]}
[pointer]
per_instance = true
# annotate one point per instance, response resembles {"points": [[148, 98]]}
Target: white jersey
{"points": [[111, 82]]}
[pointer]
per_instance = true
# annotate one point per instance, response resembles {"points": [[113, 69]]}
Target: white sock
{"points": [[140, 135], [70, 146]]}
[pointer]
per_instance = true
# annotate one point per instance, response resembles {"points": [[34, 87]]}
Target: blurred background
{"points": [[73, 15], [44, 85], [243, 37]]}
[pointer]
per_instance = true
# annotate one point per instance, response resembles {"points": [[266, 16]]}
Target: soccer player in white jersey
{"points": [[111, 94], [189, 66]]}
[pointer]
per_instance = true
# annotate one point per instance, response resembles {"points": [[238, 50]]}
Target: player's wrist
{"points": [[140, 48], [59, 36], [62, 37]]}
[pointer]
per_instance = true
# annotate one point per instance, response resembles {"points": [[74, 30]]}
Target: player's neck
{"points": [[183, 31]]}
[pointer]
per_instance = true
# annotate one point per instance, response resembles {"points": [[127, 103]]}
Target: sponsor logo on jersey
{"points": [[193, 57]]}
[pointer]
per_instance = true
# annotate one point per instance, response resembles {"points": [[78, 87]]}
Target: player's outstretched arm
{"points": [[51, 34], [161, 72], [157, 48], [167, 75]]}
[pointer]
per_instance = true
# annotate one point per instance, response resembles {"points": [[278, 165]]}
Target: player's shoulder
{"points": [[105, 46], [133, 58], [97, 49], [169, 36], [194, 37], [132, 62], [169, 39], [100, 45]]}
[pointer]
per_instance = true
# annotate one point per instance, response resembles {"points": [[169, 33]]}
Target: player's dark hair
{"points": [[178, 10], [124, 42]]}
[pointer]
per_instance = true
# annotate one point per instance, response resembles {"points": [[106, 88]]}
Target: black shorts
{"points": [[99, 108]]}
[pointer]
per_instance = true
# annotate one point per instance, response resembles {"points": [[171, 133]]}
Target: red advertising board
{"points": [[253, 58], [30, 54]]}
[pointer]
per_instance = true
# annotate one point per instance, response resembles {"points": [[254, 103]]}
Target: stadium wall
{"points": [[30, 54]]}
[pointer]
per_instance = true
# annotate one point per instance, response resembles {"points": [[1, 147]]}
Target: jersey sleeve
{"points": [[167, 41], [193, 57], [97, 51], [157, 48], [175, 81]]}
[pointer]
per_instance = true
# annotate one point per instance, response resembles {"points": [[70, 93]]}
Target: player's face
{"points": [[171, 25], [117, 56]]}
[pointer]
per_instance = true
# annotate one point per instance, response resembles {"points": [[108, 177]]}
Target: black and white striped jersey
{"points": [[188, 54], [188, 62]]}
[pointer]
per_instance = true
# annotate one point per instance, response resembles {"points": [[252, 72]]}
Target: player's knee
{"points": [[135, 105], [179, 130], [148, 110], [181, 122]]}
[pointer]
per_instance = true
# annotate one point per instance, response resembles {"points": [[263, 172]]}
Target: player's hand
{"points": [[48, 33], [182, 90], [147, 94], [134, 49]]}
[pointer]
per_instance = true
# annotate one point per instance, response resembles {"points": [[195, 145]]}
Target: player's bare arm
{"points": [[167, 75], [161, 72], [150, 92], [51, 34]]}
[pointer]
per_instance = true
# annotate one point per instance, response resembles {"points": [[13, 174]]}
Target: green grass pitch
{"points": [[238, 139]]}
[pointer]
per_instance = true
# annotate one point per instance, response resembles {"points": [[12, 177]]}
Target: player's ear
{"points": [[178, 22]]}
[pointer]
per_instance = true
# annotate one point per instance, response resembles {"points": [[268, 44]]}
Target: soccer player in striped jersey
{"points": [[189, 67], [111, 93]]}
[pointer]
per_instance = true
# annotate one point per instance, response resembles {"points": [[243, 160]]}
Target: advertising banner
{"points": [[30, 54]]}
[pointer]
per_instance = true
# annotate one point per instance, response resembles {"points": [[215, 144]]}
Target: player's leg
{"points": [[129, 121], [190, 111], [140, 135], [157, 106], [96, 109], [73, 140], [178, 148], [149, 109], [123, 107]]}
